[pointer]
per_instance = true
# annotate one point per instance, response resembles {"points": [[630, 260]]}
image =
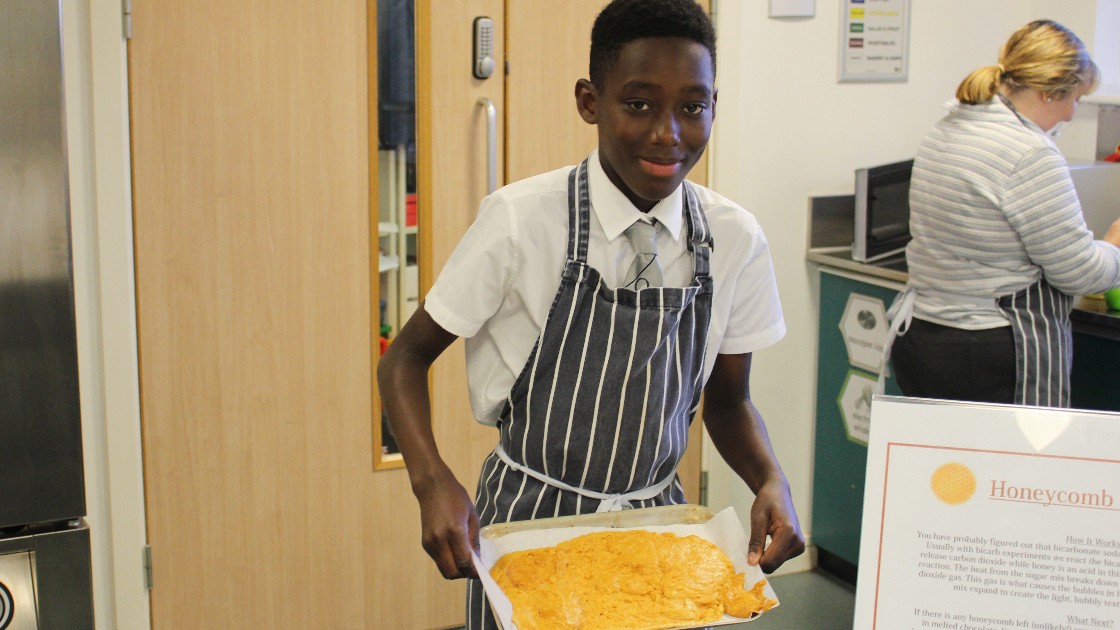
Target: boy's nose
{"points": [[666, 130]]}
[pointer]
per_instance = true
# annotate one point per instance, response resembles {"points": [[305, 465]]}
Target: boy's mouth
{"points": [[659, 169]]}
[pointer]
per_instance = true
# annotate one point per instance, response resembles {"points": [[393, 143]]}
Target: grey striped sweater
{"points": [[993, 208]]}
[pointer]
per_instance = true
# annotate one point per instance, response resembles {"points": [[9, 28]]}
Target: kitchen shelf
{"points": [[387, 263], [397, 241], [1105, 95]]}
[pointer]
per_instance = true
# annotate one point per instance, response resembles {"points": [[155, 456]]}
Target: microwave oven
{"points": [[882, 211]]}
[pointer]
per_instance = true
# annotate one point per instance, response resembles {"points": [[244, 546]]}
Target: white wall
{"points": [[1106, 47], [786, 130]]}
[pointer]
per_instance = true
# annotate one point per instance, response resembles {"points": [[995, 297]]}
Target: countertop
{"points": [[1092, 316], [1090, 313], [893, 268]]}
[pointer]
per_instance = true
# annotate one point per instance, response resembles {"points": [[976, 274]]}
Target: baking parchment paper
{"points": [[724, 529]]}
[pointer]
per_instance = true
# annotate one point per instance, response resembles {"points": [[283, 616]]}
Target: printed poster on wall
{"points": [[989, 517], [874, 40]]}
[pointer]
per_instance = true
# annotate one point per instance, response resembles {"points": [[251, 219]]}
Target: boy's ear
{"points": [[587, 101]]}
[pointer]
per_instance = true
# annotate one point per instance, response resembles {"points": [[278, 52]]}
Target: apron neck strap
{"points": [[579, 220]]}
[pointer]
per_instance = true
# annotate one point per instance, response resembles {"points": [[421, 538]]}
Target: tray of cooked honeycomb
{"points": [[646, 569]]}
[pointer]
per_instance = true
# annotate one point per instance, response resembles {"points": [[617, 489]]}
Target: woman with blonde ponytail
{"points": [[1042, 56], [1000, 247]]}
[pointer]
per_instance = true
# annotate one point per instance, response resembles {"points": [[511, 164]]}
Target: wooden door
{"points": [[548, 46], [251, 166]]}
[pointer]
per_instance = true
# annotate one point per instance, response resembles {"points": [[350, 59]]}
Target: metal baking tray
{"points": [[641, 517]]}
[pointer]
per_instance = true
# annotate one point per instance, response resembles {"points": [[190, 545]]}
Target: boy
{"points": [[592, 373]]}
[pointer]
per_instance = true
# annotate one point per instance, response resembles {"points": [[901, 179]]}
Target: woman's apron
{"points": [[598, 418], [1039, 316], [1039, 319]]}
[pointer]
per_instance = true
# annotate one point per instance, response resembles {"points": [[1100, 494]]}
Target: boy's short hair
{"points": [[623, 21]]}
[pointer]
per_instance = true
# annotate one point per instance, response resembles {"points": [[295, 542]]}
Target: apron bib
{"points": [[1039, 316], [598, 418]]}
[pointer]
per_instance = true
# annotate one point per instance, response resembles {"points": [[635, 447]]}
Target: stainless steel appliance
{"points": [[45, 577], [1098, 189], [882, 211]]}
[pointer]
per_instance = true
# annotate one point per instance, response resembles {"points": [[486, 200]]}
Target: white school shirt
{"points": [[499, 283]]}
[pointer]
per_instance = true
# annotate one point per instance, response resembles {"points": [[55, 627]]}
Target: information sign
{"points": [[864, 326], [985, 517], [874, 40], [855, 405]]}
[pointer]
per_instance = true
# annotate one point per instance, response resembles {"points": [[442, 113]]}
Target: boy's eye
{"points": [[695, 108], [638, 106]]}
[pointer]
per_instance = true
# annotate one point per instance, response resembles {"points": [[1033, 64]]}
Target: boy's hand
{"points": [[449, 526], [772, 515]]}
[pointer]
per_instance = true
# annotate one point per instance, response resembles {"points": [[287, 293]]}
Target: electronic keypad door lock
{"points": [[483, 60]]}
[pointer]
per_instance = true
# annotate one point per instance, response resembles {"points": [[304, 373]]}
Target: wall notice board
{"points": [[989, 516], [874, 40]]}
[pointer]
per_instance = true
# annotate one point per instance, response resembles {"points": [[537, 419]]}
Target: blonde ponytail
{"points": [[980, 85], [1043, 56]]}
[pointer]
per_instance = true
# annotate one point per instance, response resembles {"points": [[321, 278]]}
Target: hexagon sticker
{"points": [[864, 328], [855, 405]]}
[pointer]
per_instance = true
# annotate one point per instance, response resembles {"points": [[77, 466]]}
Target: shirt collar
{"points": [[998, 107], [1027, 122], [615, 212]]}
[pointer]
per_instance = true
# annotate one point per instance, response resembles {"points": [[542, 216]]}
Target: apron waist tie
{"points": [[607, 502], [899, 316]]}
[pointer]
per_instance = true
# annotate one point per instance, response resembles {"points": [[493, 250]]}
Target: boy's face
{"points": [[654, 112]]}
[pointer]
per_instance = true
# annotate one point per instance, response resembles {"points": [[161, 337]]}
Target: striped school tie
{"points": [[646, 270]]}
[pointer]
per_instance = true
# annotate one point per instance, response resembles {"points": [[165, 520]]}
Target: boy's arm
{"points": [[738, 432], [447, 515]]}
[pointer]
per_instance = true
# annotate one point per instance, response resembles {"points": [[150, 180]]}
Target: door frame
{"points": [[96, 76]]}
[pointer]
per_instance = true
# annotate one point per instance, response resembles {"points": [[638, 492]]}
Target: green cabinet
{"points": [[847, 304], [846, 366], [1096, 356], [1094, 382]]}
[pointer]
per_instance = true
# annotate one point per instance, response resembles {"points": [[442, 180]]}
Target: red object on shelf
{"points": [[410, 210], [1115, 157], [384, 345]]}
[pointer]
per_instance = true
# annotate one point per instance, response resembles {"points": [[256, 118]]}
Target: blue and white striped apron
{"points": [[1039, 316], [598, 418], [1040, 326]]}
